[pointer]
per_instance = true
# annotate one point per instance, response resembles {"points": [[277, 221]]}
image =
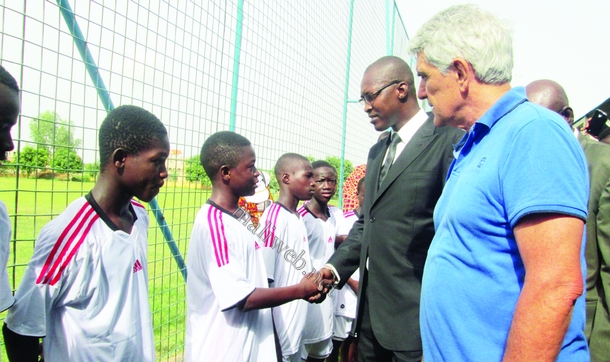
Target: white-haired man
{"points": [[504, 275]]}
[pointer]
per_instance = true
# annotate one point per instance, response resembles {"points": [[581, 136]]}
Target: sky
{"points": [[566, 41]]}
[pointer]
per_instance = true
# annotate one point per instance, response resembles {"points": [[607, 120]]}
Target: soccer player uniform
{"points": [[345, 298], [287, 259], [225, 265], [86, 288], [6, 294], [319, 327]]}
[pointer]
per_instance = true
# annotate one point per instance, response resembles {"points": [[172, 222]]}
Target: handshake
{"points": [[317, 284]]}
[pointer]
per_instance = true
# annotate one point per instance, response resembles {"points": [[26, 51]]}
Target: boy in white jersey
{"points": [[346, 298], [228, 315], [85, 290], [321, 223], [9, 111], [286, 250]]}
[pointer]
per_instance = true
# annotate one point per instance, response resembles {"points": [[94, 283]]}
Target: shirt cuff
{"points": [[332, 269]]}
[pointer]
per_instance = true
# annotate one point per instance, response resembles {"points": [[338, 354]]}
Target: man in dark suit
{"points": [[405, 177], [551, 95]]}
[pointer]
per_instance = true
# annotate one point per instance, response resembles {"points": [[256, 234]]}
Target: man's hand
{"points": [[315, 287]]}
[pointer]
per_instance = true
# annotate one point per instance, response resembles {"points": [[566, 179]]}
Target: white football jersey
{"points": [[225, 265], [287, 260], [6, 293], [345, 298], [86, 288], [321, 236]]}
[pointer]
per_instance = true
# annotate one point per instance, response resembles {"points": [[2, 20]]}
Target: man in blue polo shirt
{"points": [[504, 275]]}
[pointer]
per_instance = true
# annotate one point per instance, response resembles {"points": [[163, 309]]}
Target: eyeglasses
{"points": [[369, 98], [564, 111]]}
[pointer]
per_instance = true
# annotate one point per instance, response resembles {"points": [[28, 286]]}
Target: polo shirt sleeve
{"points": [[546, 157]]}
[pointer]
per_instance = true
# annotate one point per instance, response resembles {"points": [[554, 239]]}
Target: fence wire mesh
{"points": [[285, 74]]}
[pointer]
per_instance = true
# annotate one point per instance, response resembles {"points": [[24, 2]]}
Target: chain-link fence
{"points": [[285, 74]]}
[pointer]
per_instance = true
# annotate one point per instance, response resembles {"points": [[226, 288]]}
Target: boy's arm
{"points": [[310, 286], [353, 284], [20, 348]]}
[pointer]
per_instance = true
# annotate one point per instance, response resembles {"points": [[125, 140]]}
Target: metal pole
{"points": [[345, 101], [388, 30], [102, 91], [236, 60]]}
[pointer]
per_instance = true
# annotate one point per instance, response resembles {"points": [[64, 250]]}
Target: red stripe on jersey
{"points": [[64, 265], [219, 241], [349, 214], [302, 211], [61, 247], [135, 203]]}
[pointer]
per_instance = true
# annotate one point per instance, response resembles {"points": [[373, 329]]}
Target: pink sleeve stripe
{"points": [[135, 203], [348, 214], [302, 211], [271, 224], [65, 242], [219, 240]]}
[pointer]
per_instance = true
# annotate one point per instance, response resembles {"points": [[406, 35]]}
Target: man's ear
{"points": [[118, 159], [464, 73], [225, 172], [568, 114], [403, 91]]}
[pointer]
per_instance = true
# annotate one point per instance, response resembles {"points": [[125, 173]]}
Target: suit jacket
{"points": [[394, 232], [597, 250]]}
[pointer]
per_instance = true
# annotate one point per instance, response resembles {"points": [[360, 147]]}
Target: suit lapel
{"points": [[375, 168], [419, 142]]}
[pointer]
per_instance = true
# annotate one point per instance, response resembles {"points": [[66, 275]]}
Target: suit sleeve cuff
{"points": [[332, 269]]}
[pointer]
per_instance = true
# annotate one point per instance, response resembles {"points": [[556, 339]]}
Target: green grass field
{"points": [[32, 203]]}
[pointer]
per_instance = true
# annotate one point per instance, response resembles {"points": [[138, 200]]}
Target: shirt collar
{"points": [[408, 130], [509, 101]]}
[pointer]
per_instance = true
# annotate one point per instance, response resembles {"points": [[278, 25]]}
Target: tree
{"points": [[348, 167], [194, 171], [50, 131], [67, 160], [92, 170], [31, 159]]}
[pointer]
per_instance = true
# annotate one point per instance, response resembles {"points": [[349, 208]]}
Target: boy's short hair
{"points": [[131, 128], [286, 163], [321, 163], [222, 148], [8, 80]]}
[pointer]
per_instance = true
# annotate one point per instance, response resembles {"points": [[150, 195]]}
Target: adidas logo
{"points": [[137, 266]]}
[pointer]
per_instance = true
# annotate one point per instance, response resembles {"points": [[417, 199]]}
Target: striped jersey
{"points": [[225, 265], [287, 260], [345, 298], [86, 288], [321, 236]]}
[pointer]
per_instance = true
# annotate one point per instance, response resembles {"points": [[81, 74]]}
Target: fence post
{"points": [[345, 101], [236, 61], [102, 92]]}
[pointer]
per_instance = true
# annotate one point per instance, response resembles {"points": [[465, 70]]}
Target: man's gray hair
{"points": [[468, 32]]}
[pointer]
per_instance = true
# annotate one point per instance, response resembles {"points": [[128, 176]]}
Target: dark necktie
{"points": [[389, 158]]}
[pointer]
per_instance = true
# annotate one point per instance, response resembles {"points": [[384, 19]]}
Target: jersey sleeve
{"points": [[6, 295], [269, 231], [345, 224], [556, 183], [34, 300], [225, 260]]}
